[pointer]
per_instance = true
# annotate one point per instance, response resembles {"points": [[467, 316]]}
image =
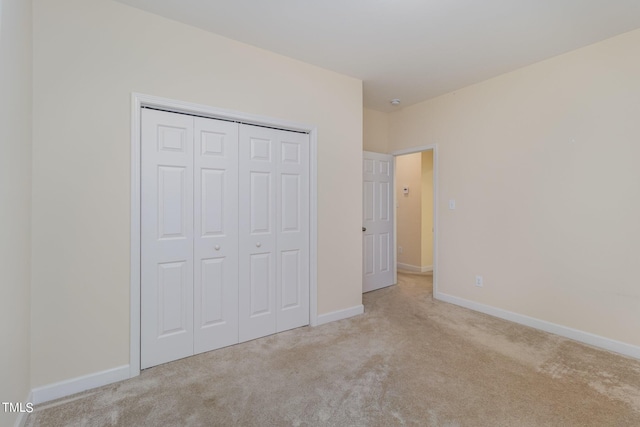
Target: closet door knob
{"points": [[217, 247], [258, 244]]}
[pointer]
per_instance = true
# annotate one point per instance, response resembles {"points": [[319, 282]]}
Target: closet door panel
{"points": [[216, 234], [293, 231], [166, 237], [260, 290], [259, 152]]}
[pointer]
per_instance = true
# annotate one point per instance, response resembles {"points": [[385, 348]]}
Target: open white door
{"points": [[377, 224]]}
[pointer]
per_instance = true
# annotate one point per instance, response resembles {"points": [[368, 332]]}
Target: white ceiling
{"points": [[409, 49]]}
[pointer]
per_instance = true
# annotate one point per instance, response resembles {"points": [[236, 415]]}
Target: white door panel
{"points": [[166, 237], [212, 286], [291, 279], [257, 278], [173, 307], [274, 231], [378, 212], [216, 234], [260, 204], [293, 231], [261, 286]]}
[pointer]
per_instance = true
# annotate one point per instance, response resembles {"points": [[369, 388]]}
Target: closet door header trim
{"points": [[175, 106], [224, 119]]}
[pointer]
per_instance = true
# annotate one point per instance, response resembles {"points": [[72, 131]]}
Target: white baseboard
{"points": [[76, 385], [21, 421], [416, 268], [564, 331], [339, 314]]}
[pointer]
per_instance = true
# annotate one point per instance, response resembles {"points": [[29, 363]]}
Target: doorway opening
{"points": [[415, 189]]}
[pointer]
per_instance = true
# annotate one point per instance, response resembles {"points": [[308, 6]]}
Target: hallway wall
{"points": [[427, 210], [409, 210]]}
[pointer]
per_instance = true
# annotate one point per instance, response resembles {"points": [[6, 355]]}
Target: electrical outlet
{"points": [[479, 281], [400, 249]]}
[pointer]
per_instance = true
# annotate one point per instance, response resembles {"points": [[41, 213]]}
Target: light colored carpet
{"points": [[409, 360]]}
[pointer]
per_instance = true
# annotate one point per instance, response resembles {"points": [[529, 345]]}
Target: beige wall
{"points": [[427, 209], [89, 55], [375, 131], [15, 205], [543, 164], [415, 210], [409, 209]]}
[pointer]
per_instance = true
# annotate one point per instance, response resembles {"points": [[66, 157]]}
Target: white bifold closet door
{"points": [[274, 231], [166, 210], [215, 240], [225, 234]]}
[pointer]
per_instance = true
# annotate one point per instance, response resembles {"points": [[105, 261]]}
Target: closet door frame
{"points": [[138, 101]]}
